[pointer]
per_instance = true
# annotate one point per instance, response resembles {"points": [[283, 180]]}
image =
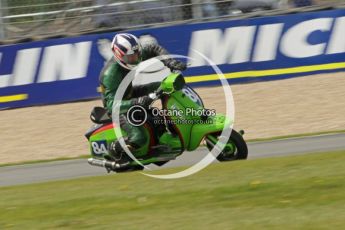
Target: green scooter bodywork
{"points": [[190, 134]]}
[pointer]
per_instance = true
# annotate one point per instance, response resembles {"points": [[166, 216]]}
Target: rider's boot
{"points": [[119, 155]]}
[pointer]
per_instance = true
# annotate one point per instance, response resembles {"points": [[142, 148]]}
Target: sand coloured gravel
{"points": [[264, 109]]}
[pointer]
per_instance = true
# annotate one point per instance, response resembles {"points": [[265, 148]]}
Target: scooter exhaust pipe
{"points": [[102, 163], [109, 165]]}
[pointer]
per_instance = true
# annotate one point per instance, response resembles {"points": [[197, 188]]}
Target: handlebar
{"points": [[156, 95], [159, 92], [153, 96], [176, 71]]}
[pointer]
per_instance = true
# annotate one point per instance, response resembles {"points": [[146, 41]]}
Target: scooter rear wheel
{"points": [[239, 152]]}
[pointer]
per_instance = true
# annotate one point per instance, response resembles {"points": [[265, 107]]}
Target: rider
{"points": [[128, 53]]}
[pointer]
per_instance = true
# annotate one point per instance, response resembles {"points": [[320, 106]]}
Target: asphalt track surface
{"points": [[69, 169]]}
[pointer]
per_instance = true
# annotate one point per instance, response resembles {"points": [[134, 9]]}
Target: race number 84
{"points": [[99, 147]]}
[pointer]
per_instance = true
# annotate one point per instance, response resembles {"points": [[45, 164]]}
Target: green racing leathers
{"points": [[110, 79]]}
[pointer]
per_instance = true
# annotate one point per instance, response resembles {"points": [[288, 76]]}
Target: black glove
{"points": [[174, 64], [144, 101]]}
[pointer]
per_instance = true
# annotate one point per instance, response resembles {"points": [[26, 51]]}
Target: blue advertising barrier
{"points": [[267, 48]]}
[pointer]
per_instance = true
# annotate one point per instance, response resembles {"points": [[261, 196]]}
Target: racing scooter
{"points": [[171, 132]]}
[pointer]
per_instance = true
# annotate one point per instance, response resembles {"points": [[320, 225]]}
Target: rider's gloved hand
{"points": [[174, 64], [144, 101]]}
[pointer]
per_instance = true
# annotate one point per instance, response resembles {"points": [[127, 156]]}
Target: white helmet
{"points": [[127, 50]]}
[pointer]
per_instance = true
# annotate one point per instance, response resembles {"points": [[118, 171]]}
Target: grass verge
{"points": [[296, 192]]}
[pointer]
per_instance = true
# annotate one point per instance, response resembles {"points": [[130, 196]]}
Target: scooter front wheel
{"points": [[235, 149]]}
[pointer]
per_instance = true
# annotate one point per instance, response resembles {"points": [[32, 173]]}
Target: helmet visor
{"points": [[132, 59]]}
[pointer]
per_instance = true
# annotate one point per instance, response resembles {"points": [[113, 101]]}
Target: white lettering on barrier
{"points": [[104, 50], [4, 79], [337, 41], [60, 62], [234, 45], [65, 62], [267, 42], [25, 67], [294, 42]]}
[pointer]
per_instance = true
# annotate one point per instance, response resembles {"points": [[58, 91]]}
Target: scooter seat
{"points": [[99, 115]]}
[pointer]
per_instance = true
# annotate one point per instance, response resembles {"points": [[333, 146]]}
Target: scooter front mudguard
{"points": [[214, 124]]}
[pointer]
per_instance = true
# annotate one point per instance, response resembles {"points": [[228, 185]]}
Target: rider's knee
{"points": [[140, 139]]}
